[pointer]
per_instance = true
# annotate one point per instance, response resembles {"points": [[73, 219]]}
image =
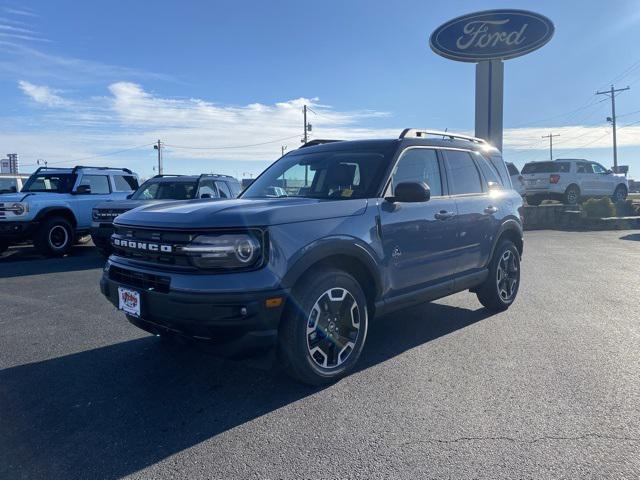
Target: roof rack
{"points": [[318, 141], [78, 167], [417, 133], [161, 175]]}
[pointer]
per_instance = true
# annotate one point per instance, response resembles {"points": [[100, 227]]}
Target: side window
{"points": [[125, 183], [489, 173], [584, 168], [597, 168], [207, 188], [462, 173], [99, 184], [418, 165], [8, 185], [223, 189]]}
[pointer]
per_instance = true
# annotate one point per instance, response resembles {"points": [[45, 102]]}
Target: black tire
{"points": [[534, 201], [104, 252], [495, 294], [303, 345], [55, 237], [572, 195], [620, 194]]}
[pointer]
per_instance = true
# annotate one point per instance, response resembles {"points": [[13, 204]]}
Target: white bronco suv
{"points": [[570, 180], [53, 209]]}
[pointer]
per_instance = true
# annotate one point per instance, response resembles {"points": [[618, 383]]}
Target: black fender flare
{"points": [[327, 247], [509, 225], [45, 212]]}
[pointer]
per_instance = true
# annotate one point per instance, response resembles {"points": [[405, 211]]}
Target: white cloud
{"points": [[41, 94], [199, 133], [24, 12]]}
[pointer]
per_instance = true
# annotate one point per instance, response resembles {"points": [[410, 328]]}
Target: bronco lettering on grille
{"points": [[144, 246]]}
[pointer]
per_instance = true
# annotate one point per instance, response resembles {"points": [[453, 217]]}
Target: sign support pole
{"points": [[489, 96]]}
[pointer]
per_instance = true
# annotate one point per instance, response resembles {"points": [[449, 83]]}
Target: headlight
{"points": [[95, 214], [18, 208], [242, 250]]}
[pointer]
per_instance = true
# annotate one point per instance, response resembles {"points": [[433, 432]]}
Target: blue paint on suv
{"points": [[363, 228], [53, 208]]}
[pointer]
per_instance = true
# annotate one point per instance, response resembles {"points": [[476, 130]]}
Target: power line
{"points": [[108, 154], [230, 146]]}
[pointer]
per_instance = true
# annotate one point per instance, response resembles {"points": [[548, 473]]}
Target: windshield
{"points": [[335, 175], [50, 182], [154, 190]]}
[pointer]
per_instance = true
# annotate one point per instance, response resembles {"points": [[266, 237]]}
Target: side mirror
{"points": [[609, 172], [205, 195], [412, 192], [129, 196], [83, 190]]}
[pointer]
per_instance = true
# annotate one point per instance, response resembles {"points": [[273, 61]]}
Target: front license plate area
{"points": [[129, 301]]}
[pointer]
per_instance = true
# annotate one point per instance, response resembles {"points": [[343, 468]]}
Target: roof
{"points": [[409, 136]]}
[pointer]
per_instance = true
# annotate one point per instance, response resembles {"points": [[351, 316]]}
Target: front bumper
{"points": [[17, 231], [210, 315]]}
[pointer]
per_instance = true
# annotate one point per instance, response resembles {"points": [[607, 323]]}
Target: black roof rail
{"points": [[417, 133], [161, 175], [77, 167], [218, 175], [319, 141]]}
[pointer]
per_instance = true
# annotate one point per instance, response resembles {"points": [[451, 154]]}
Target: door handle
{"points": [[490, 210], [443, 215]]}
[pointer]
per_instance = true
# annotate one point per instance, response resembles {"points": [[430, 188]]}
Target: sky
{"points": [[223, 83]]}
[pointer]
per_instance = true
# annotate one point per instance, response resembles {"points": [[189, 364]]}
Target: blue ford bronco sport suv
{"points": [[362, 228], [160, 188], [53, 209]]}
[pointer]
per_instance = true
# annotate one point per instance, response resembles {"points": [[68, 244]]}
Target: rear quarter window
{"points": [[500, 166]]}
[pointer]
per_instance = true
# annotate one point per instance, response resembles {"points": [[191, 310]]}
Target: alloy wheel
{"points": [[333, 328], [507, 275]]}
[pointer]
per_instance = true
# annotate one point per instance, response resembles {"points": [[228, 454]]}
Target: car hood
{"points": [[197, 214]]}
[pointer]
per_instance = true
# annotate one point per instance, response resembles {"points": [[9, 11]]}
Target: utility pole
{"points": [[612, 94], [550, 137], [304, 111], [283, 148], [158, 147]]}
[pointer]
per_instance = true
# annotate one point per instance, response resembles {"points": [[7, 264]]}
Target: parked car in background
{"points": [[53, 208], [161, 188], [517, 180], [362, 228], [571, 180], [12, 183]]}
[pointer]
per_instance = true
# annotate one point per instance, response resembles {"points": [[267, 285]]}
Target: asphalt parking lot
{"points": [[548, 389]]}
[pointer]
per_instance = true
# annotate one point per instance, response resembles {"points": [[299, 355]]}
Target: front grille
{"points": [[142, 238], [107, 214], [145, 281]]}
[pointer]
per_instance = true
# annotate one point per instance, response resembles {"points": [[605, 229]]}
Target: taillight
{"points": [[554, 178]]}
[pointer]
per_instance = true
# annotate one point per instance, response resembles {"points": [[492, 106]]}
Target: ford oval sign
{"points": [[491, 35]]}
